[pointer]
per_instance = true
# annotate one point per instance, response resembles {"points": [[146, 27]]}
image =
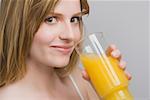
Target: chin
{"points": [[61, 63]]}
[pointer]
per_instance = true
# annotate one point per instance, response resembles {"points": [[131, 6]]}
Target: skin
{"points": [[41, 81]]}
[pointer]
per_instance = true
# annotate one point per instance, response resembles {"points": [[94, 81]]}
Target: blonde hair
{"points": [[19, 21]]}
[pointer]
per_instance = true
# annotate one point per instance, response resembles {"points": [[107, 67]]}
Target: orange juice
{"points": [[107, 78]]}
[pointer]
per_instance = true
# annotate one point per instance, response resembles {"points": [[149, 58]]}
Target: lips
{"points": [[65, 49]]}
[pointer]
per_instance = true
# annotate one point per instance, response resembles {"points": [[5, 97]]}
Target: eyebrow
{"points": [[76, 14]]}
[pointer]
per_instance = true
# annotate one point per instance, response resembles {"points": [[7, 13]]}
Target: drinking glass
{"points": [[106, 77]]}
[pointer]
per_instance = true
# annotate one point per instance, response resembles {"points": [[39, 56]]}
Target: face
{"points": [[54, 41]]}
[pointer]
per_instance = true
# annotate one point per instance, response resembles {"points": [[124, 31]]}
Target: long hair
{"points": [[19, 21]]}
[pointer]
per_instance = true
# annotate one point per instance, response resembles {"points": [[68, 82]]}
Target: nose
{"points": [[68, 32]]}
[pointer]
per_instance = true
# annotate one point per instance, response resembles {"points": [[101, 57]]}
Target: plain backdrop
{"points": [[126, 24]]}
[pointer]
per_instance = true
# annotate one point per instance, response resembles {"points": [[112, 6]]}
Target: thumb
{"points": [[85, 75]]}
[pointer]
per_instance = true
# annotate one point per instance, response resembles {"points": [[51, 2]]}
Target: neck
{"points": [[41, 77]]}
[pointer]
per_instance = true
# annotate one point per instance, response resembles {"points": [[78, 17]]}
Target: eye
{"points": [[75, 19], [51, 20]]}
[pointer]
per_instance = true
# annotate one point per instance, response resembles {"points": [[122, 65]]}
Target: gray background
{"points": [[125, 24]]}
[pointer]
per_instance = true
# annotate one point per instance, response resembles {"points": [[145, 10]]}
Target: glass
{"points": [[107, 78]]}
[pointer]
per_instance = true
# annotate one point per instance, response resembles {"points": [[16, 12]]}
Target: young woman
{"points": [[37, 56]]}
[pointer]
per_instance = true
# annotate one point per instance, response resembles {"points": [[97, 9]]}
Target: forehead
{"points": [[68, 6]]}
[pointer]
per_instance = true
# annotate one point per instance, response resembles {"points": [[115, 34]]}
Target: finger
{"points": [[110, 48], [116, 54], [85, 75], [128, 75], [122, 64]]}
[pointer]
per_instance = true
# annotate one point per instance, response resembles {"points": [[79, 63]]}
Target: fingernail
{"points": [[115, 53], [113, 46], [128, 75], [122, 64]]}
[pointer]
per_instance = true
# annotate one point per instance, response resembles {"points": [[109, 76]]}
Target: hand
{"points": [[113, 51]]}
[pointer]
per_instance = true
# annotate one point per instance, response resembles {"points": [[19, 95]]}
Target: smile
{"points": [[63, 49]]}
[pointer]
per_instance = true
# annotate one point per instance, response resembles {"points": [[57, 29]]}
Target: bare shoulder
{"points": [[12, 92], [7, 93], [84, 85]]}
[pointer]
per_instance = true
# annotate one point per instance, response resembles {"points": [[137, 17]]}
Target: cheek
{"points": [[78, 35], [43, 38], [45, 34]]}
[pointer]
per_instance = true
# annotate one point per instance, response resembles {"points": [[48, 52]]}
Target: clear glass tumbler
{"points": [[106, 77]]}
